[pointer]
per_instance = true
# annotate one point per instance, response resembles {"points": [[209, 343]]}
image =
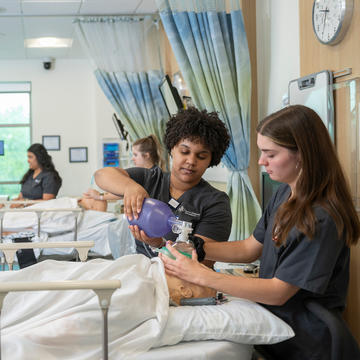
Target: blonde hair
{"points": [[151, 145]]}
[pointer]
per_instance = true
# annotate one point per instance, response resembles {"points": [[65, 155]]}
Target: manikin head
{"points": [[179, 289]]}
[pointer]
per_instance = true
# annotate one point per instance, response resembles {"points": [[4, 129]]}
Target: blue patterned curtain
{"points": [[211, 49], [126, 55]]}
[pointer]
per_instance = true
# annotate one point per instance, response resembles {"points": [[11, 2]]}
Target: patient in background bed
{"points": [[92, 204]]}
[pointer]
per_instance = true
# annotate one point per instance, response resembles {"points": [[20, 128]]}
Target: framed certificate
{"points": [[51, 142], [78, 154]]}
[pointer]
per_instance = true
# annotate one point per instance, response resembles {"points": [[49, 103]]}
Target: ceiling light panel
{"points": [[48, 42]]}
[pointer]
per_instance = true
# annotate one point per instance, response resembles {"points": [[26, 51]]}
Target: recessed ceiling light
{"points": [[48, 42]]}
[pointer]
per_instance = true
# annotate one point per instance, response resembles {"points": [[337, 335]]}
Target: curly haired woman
{"points": [[195, 140]]}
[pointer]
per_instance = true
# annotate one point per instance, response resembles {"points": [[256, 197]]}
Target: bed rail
{"points": [[39, 212], [104, 290], [9, 249]]}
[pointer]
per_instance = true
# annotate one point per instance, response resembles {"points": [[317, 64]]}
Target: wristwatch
{"points": [[101, 196]]}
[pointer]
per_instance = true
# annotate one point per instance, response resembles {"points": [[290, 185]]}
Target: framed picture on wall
{"points": [[51, 142], [78, 154]]}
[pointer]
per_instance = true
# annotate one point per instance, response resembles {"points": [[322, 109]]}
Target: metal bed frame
{"points": [[10, 249], [39, 212], [104, 290]]}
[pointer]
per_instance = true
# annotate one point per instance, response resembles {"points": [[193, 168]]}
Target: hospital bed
{"points": [[140, 321], [39, 212], [60, 220]]}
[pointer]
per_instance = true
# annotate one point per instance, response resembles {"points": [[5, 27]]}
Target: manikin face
{"points": [[138, 158], [189, 161], [280, 163], [179, 289], [32, 161]]}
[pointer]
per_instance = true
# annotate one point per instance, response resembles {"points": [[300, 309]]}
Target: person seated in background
{"points": [[41, 181], [195, 140], [146, 153]]}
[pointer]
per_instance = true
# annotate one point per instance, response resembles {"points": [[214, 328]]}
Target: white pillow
{"points": [[239, 320]]}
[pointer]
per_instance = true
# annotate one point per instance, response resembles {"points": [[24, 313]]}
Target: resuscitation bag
{"points": [[155, 219]]}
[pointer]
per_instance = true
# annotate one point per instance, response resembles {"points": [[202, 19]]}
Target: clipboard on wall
{"points": [[315, 91]]}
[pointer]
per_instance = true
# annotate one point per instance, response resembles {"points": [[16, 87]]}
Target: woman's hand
{"points": [[91, 194], [141, 235], [183, 267], [134, 195]]}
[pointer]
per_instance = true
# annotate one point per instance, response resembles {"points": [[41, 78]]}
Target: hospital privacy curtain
{"points": [[126, 55], [211, 49]]}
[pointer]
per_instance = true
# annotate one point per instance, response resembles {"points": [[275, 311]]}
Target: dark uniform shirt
{"points": [[44, 183], [207, 208], [319, 267]]}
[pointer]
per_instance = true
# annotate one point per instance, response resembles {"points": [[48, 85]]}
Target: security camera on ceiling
{"points": [[48, 63]]}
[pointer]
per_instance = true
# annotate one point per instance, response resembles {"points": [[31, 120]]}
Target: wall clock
{"points": [[331, 19]]}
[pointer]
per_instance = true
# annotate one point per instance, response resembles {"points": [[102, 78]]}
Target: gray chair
{"points": [[343, 344]]}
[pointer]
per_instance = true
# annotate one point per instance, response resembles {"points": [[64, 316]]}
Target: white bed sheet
{"points": [[111, 237], [67, 325], [200, 350], [109, 231]]}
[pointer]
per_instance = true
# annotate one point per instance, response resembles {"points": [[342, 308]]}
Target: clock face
{"points": [[331, 18]]}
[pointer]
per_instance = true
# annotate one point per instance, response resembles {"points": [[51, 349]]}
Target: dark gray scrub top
{"points": [[44, 183], [207, 208], [319, 267]]}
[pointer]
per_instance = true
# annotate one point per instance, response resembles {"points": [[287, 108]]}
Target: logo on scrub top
{"points": [[181, 209]]}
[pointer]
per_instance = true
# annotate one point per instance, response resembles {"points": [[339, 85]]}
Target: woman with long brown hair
{"points": [[303, 238]]}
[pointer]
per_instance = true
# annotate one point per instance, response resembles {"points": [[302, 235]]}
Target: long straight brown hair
{"points": [[321, 180]]}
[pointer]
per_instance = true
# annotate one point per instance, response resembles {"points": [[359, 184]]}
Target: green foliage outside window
{"points": [[14, 109]]}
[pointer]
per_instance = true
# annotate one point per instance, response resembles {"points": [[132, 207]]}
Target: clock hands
{"points": [[326, 10]]}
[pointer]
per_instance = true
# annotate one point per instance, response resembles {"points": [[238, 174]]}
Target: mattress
{"points": [[209, 350]]}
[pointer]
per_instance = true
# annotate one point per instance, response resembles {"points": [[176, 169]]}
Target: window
{"points": [[15, 134]]}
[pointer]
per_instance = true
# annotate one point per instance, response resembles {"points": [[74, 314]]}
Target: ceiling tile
{"points": [[48, 26], [12, 7], [55, 8], [109, 7], [147, 6], [11, 39]]}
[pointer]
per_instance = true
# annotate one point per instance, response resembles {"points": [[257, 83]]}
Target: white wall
{"points": [[278, 52], [66, 101]]}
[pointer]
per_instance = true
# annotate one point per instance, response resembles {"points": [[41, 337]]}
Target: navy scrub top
{"points": [[44, 183], [319, 267]]}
